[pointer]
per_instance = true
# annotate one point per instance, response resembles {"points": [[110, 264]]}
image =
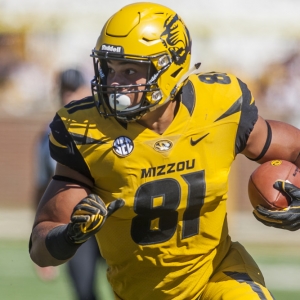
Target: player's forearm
{"points": [[39, 252]]}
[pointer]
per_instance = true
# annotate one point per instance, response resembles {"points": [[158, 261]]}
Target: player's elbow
{"points": [[39, 253], [42, 258], [38, 261], [37, 256]]}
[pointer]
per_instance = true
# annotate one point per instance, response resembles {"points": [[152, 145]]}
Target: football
{"points": [[260, 185]]}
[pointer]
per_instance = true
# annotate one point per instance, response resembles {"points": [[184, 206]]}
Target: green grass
{"points": [[280, 265], [18, 279]]}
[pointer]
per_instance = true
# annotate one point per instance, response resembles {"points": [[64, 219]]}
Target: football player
{"points": [[82, 268], [143, 165]]}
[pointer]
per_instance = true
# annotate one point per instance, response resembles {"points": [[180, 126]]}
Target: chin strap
{"points": [[188, 73], [178, 85], [182, 79]]}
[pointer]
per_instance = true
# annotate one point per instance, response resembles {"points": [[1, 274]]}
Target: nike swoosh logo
{"points": [[195, 142]]}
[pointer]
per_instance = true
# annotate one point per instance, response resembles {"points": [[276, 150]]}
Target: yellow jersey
{"points": [[171, 234]]}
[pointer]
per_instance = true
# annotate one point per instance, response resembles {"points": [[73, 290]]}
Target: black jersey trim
{"points": [[266, 146], [80, 139], [234, 108], [77, 105], [248, 118], [70, 155], [188, 97], [69, 179], [245, 278]]}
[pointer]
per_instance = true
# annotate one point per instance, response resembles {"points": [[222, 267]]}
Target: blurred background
{"points": [[257, 40]]}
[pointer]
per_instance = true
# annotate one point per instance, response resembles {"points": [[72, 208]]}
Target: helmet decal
{"points": [[112, 48], [179, 46]]}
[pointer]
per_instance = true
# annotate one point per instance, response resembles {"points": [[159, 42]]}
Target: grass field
{"points": [[280, 264], [18, 280]]}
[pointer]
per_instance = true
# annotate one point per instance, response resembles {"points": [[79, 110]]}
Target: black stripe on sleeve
{"points": [[188, 97], [249, 116], [69, 179], [70, 155], [245, 278]]}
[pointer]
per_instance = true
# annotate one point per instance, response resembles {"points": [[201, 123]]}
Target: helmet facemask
{"points": [[112, 100]]}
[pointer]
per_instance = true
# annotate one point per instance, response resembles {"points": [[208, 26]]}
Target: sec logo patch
{"points": [[123, 146]]}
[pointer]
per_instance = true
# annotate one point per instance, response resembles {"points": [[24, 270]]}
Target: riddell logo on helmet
{"points": [[112, 48]]}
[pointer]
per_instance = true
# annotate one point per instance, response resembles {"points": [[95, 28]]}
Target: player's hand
{"points": [[287, 218], [89, 216]]}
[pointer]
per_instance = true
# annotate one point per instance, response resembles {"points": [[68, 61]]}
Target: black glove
{"points": [[89, 216], [287, 218]]}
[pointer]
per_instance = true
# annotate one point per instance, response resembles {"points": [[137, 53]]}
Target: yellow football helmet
{"points": [[148, 33]]}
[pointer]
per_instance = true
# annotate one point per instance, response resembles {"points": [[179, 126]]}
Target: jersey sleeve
{"points": [[248, 118], [223, 98], [63, 148], [46, 165]]}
